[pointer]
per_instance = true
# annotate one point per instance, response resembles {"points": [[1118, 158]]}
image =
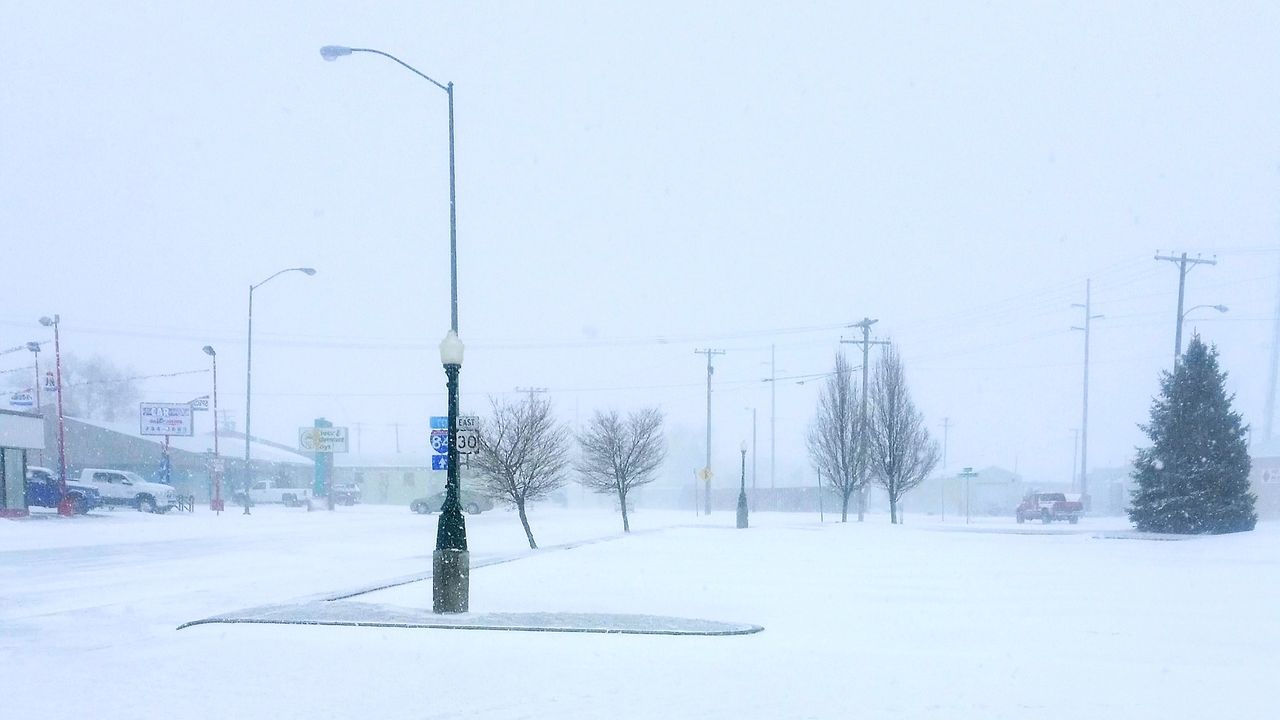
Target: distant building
{"points": [[1264, 479], [121, 446]]}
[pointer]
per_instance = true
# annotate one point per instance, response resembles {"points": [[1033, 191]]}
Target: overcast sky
{"points": [[637, 182]]}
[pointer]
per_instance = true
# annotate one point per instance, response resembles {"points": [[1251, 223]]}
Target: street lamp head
{"points": [[1221, 308], [333, 52], [208, 350], [451, 349], [309, 271], [33, 347], [47, 321]]}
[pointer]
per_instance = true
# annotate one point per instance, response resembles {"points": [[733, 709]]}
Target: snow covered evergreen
{"points": [[1194, 478]]}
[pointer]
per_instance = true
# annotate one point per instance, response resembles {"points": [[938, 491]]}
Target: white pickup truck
{"points": [[267, 491], [121, 487]]}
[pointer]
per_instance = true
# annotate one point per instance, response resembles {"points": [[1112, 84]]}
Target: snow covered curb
{"points": [[356, 614]]}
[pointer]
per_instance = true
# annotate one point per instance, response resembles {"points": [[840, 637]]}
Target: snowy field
{"points": [[993, 620]]}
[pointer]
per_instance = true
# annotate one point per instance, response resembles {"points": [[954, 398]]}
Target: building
{"points": [[1264, 480], [20, 433], [392, 479], [121, 446]]}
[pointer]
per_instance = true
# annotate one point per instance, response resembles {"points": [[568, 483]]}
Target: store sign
{"points": [[166, 419]]}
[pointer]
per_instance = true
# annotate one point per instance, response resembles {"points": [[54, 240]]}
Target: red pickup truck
{"points": [[1049, 507]]}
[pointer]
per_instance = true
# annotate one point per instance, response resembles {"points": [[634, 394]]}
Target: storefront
{"points": [[19, 432]]}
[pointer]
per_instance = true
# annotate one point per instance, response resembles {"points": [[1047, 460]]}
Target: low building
{"points": [[391, 479], [19, 433], [1264, 480], [121, 446]]}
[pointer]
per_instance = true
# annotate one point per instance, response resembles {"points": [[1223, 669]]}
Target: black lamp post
{"points": [[64, 505], [248, 383], [742, 490], [450, 580], [451, 562]]}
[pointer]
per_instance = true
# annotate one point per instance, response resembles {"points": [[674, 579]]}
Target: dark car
{"points": [[346, 494], [43, 491], [472, 503]]}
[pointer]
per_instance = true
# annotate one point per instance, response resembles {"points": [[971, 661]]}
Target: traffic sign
{"points": [[440, 441], [22, 399], [50, 382], [200, 404], [439, 462], [705, 474], [439, 422], [322, 439], [468, 441]]}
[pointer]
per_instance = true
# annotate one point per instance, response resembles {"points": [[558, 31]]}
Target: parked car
{"points": [[473, 503], [346, 494], [1048, 507], [43, 490], [121, 487], [269, 491]]}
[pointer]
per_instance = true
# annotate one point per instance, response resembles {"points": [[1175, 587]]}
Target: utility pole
{"points": [[773, 418], [1270, 412], [946, 427], [1184, 264], [532, 391], [753, 460], [1084, 422], [706, 469], [866, 342], [1075, 454]]}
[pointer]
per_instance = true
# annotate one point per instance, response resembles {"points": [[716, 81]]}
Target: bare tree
{"points": [[97, 389], [901, 452], [621, 454], [522, 455], [835, 435]]}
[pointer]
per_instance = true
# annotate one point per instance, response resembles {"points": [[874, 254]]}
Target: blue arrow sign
{"points": [[439, 462]]}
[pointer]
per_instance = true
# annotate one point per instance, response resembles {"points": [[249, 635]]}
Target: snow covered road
{"points": [[870, 620]]}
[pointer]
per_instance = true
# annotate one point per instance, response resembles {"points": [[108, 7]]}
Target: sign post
{"points": [[323, 440], [968, 474]]}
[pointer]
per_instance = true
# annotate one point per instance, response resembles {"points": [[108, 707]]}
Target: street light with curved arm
{"points": [[248, 381], [1178, 354], [450, 561]]}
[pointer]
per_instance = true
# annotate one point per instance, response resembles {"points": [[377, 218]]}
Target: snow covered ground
{"points": [[993, 620]]}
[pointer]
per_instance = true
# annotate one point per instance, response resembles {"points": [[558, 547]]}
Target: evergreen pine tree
{"points": [[1194, 478]]}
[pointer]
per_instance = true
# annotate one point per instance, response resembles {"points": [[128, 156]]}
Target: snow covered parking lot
{"points": [[860, 620]]}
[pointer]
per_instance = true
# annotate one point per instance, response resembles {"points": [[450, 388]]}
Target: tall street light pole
{"points": [[1183, 317], [451, 560], [64, 504], [216, 504], [248, 383]]}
